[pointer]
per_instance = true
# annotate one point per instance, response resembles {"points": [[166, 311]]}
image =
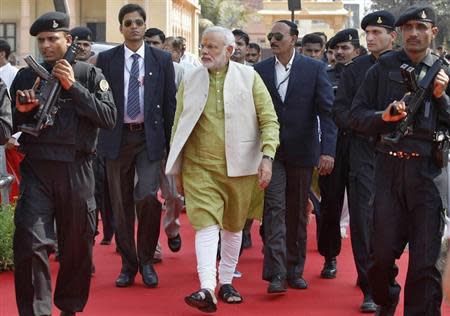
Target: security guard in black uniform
{"points": [[5, 114], [57, 176], [332, 187], [84, 40], [409, 200], [102, 199], [380, 35], [346, 37]]}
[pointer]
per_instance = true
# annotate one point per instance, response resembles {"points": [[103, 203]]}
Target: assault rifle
{"points": [[48, 93], [414, 98]]}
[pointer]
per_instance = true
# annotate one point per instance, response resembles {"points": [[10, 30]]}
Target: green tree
{"points": [[442, 8], [227, 13]]}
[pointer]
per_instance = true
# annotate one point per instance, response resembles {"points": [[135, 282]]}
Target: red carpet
{"points": [[339, 297]]}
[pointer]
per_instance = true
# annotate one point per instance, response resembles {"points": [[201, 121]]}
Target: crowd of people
{"points": [[232, 138]]}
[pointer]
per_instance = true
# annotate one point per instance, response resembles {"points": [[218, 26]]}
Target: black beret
{"points": [[381, 18], [418, 13], [83, 33], [50, 22], [346, 35]]}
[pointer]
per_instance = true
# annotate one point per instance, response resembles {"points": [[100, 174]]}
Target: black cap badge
{"points": [[379, 21]]}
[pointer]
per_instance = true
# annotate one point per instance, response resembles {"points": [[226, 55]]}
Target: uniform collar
{"points": [[373, 59], [427, 60]]}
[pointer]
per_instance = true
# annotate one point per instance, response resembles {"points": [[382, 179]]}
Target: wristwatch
{"points": [[267, 157]]}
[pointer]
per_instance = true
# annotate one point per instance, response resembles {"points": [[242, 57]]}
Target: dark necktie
{"points": [[133, 108]]}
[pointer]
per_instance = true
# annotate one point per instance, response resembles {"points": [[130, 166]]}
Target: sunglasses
{"points": [[138, 22], [278, 36]]}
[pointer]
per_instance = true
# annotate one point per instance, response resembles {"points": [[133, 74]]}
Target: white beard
{"points": [[219, 63]]}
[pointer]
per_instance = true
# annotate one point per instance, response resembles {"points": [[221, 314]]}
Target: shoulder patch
{"points": [[103, 85]]}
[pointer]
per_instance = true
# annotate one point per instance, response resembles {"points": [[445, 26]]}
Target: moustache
{"points": [[273, 45]]}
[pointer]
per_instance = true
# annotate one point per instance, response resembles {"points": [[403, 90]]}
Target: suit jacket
{"points": [[159, 100], [309, 95]]}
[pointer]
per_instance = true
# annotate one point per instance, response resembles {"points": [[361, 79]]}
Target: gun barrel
{"points": [[41, 71], [48, 109], [414, 100]]}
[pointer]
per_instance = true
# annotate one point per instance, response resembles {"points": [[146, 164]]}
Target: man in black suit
{"points": [[300, 91], [143, 85]]}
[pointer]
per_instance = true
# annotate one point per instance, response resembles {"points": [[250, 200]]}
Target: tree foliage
{"points": [[227, 13], [442, 8]]}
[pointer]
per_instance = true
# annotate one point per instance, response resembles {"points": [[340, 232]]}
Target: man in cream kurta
{"points": [[224, 138]]}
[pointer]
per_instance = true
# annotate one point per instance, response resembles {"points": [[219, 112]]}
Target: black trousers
{"points": [[102, 198], [408, 209], [63, 191], [354, 170], [332, 192], [284, 221], [130, 198], [360, 206]]}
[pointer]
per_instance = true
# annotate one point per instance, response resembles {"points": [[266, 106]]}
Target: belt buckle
{"points": [[135, 127]]}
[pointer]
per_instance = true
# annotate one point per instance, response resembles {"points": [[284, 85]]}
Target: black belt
{"points": [[134, 127]]}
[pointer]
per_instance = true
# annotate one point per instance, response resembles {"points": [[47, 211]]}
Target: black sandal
{"points": [[203, 300], [229, 295]]}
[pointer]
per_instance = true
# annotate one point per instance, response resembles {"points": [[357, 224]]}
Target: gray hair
{"points": [[228, 36]]}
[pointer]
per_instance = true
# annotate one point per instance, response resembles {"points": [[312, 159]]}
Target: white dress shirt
{"points": [[179, 73], [126, 78], [282, 74], [190, 59], [7, 73]]}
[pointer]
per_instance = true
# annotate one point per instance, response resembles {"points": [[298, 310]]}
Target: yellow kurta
{"points": [[211, 196]]}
